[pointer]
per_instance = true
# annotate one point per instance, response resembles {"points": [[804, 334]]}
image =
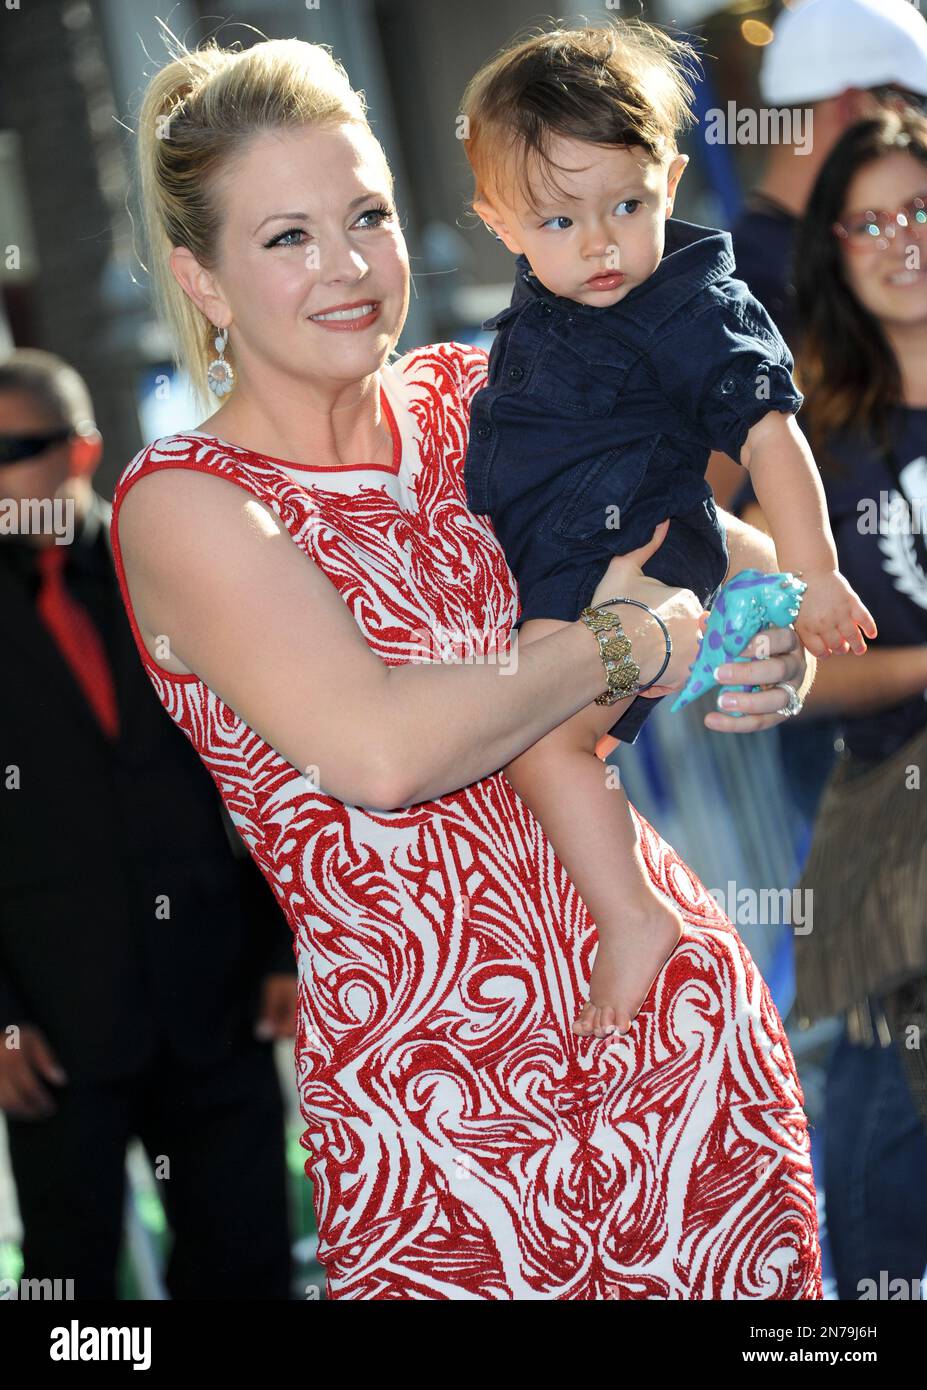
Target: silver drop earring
{"points": [[219, 373]]}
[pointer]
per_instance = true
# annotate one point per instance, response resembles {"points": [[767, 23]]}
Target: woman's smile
{"points": [[905, 279], [348, 317]]}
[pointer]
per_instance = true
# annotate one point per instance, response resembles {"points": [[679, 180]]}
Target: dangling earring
{"points": [[219, 373]]}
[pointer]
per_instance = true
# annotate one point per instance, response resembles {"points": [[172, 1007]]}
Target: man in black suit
{"points": [[145, 964]]}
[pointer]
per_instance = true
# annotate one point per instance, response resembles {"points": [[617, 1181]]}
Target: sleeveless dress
{"points": [[463, 1143]]}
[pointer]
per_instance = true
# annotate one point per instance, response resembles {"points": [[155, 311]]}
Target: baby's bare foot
{"points": [[626, 964]]}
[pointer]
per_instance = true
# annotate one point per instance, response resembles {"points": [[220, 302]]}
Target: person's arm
{"points": [[833, 618], [752, 514], [879, 679], [724, 476], [783, 657], [749, 545], [269, 633], [788, 488]]}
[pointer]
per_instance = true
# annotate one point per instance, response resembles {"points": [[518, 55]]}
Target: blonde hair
{"points": [[196, 115], [623, 83]]}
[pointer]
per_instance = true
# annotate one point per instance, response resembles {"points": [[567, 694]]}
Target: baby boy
{"points": [[627, 354]]}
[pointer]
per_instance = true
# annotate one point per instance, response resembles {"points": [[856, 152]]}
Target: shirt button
{"points": [[546, 307], [516, 373], [727, 385], [483, 431]]}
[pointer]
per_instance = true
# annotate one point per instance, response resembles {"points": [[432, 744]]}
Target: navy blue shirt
{"points": [[884, 565], [597, 422], [763, 238]]}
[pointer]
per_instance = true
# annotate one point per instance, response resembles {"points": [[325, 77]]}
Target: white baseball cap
{"points": [[822, 47]]}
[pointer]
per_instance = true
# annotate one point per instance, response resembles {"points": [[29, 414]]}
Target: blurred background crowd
{"points": [[147, 984]]}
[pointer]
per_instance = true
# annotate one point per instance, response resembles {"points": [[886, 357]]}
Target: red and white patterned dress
{"points": [[463, 1142]]}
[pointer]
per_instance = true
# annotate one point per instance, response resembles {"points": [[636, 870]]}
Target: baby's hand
{"points": [[831, 615]]}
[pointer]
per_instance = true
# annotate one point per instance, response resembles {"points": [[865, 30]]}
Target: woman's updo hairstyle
{"points": [[197, 113]]}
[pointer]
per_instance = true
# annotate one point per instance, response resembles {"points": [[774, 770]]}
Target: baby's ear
{"points": [[494, 223], [673, 175], [486, 213]]}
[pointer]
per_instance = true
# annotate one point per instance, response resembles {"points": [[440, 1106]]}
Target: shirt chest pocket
{"points": [[579, 371], [597, 494]]}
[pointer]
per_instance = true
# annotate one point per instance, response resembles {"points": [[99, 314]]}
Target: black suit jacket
{"points": [[131, 913]]}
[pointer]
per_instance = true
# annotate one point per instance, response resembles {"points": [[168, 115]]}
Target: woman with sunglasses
{"points": [[861, 286]]}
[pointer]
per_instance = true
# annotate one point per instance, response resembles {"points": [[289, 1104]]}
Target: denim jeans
{"points": [[875, 1169]]}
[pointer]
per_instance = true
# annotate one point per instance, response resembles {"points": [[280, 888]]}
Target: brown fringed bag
{"points": [[867, 871], [868, 941], [867, 868]]}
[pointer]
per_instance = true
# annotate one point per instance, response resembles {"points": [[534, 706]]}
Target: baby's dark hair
{"points": [[624, 83]]}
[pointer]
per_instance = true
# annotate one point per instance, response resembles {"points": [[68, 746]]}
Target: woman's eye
{"points": [[632, 204], [382, 214], [280, 240], [568, 220]]}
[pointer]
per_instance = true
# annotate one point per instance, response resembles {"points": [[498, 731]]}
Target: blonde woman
{"points": [[330, 626]]}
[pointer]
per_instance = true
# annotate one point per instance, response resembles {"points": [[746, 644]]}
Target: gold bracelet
{"points": [[622, 672]]}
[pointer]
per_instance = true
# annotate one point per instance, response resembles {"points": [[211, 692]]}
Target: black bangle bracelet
{"points": [[668, 640]]}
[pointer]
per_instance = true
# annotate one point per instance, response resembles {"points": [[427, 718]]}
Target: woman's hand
{"points": [[779, 656], [679, 609]]}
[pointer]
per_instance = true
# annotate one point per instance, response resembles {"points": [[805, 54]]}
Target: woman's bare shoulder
{"points": [[175, 511], [168, 496]]}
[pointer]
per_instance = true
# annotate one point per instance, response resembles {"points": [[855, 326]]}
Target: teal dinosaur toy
{"points": [[753, 600]]}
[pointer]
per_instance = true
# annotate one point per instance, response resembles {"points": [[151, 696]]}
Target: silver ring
{"points": [[795, 704]]}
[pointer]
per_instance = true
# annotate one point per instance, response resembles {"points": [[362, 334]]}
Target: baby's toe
{"points": [[586, 1020], [607, 1022]]}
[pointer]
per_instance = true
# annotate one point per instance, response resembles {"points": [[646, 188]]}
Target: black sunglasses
{"points": [[14, 448]]}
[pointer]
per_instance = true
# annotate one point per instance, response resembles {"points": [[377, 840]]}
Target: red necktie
{"points": [[77, 637]]}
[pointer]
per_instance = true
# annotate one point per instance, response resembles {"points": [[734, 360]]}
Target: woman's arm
{"points": [[749, 545], [880, 679], [783, 657], [216, 572]]}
